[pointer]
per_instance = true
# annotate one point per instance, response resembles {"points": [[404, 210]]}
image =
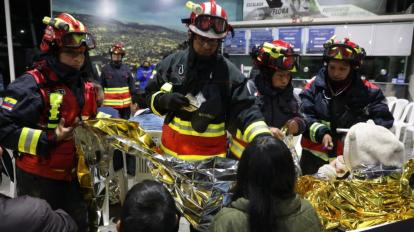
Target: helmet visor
{"points": [[340, 52], [205, 22], [288, 63], [76, 40]]}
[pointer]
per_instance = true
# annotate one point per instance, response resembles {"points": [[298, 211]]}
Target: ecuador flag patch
{"points": [[8, 103]]}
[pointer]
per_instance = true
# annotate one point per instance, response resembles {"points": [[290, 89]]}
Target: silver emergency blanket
{"points": [[200, 188]]}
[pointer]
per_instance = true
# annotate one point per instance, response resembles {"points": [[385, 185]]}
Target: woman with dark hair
{"points": [[148, 207], [264, 197]]}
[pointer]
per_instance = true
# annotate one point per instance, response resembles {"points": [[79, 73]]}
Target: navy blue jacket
{"points": [[278, 105], [325, 112]]}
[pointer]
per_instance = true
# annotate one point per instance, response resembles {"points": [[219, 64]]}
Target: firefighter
{"points": [[276, 62], [338, 98], [117, 81], [40, 110], [202, 94]]}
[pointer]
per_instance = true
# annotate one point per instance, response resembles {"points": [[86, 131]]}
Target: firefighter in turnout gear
{"points": [[39, 113], [202, 94], [277, 62], [338, 98], [117, 81]]}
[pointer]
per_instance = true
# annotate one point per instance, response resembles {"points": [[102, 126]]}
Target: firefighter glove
{"points": [[172, 101]]}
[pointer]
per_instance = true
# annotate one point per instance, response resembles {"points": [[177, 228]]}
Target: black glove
{"points": [[172, 101]]}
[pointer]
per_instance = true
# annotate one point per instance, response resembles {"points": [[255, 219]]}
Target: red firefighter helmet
{"points": [[207, 19], [117, 48], [65, 31], [344, 50], [278, 55]]}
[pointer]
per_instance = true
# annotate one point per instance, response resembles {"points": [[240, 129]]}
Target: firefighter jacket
{"points": [[228, 104], [118, 85], [30, 112], [324, 112], [278, 105]]}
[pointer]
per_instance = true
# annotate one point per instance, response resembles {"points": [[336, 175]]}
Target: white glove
{"points": [[326, 172]]}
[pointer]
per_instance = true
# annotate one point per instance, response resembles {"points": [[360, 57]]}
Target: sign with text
{"points": [[259, 36], [293, 36], [237, 44], [317, 37]]}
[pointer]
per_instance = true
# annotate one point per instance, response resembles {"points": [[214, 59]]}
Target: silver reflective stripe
{"points": [[255, 129], [28, 140]]}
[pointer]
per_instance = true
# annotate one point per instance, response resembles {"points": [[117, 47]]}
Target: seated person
{"points": [[264, 197], [148, 207], [31, 214], [368, 147], [143, 115]]}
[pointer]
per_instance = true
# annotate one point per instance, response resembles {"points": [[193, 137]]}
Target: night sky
{"points": [[167, 13]]}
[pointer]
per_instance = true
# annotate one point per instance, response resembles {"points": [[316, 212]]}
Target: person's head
{"points": [[265, 174], [207, 27], [342, 58], [148, 207], [146, 64], [277, 61], [68, 39], [138, 102], [117, 52]]}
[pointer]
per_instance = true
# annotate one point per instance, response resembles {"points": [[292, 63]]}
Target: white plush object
{"points": [[327, 172], [370, 144]]}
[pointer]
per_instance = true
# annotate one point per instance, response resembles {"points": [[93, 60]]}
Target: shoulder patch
{"points": [[8, 103]]}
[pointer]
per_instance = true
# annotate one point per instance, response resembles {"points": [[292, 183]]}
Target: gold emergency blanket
{"points": [[199, 188], [353, 203]]}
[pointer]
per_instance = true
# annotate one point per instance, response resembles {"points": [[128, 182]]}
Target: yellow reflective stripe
{"points": [[52, 125], [102, 115], [236, 148], [254, 129], [10, 100], [189, 157], [152, 103], [326, 123], [116, 102], [28, 140], [116, 89], [56, 100], [166, 88], [239, 135], [184, 127], [125, 100], [313, 129]]}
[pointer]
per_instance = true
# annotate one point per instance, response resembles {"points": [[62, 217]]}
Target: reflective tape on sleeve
{"points": [[28, 140]]}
